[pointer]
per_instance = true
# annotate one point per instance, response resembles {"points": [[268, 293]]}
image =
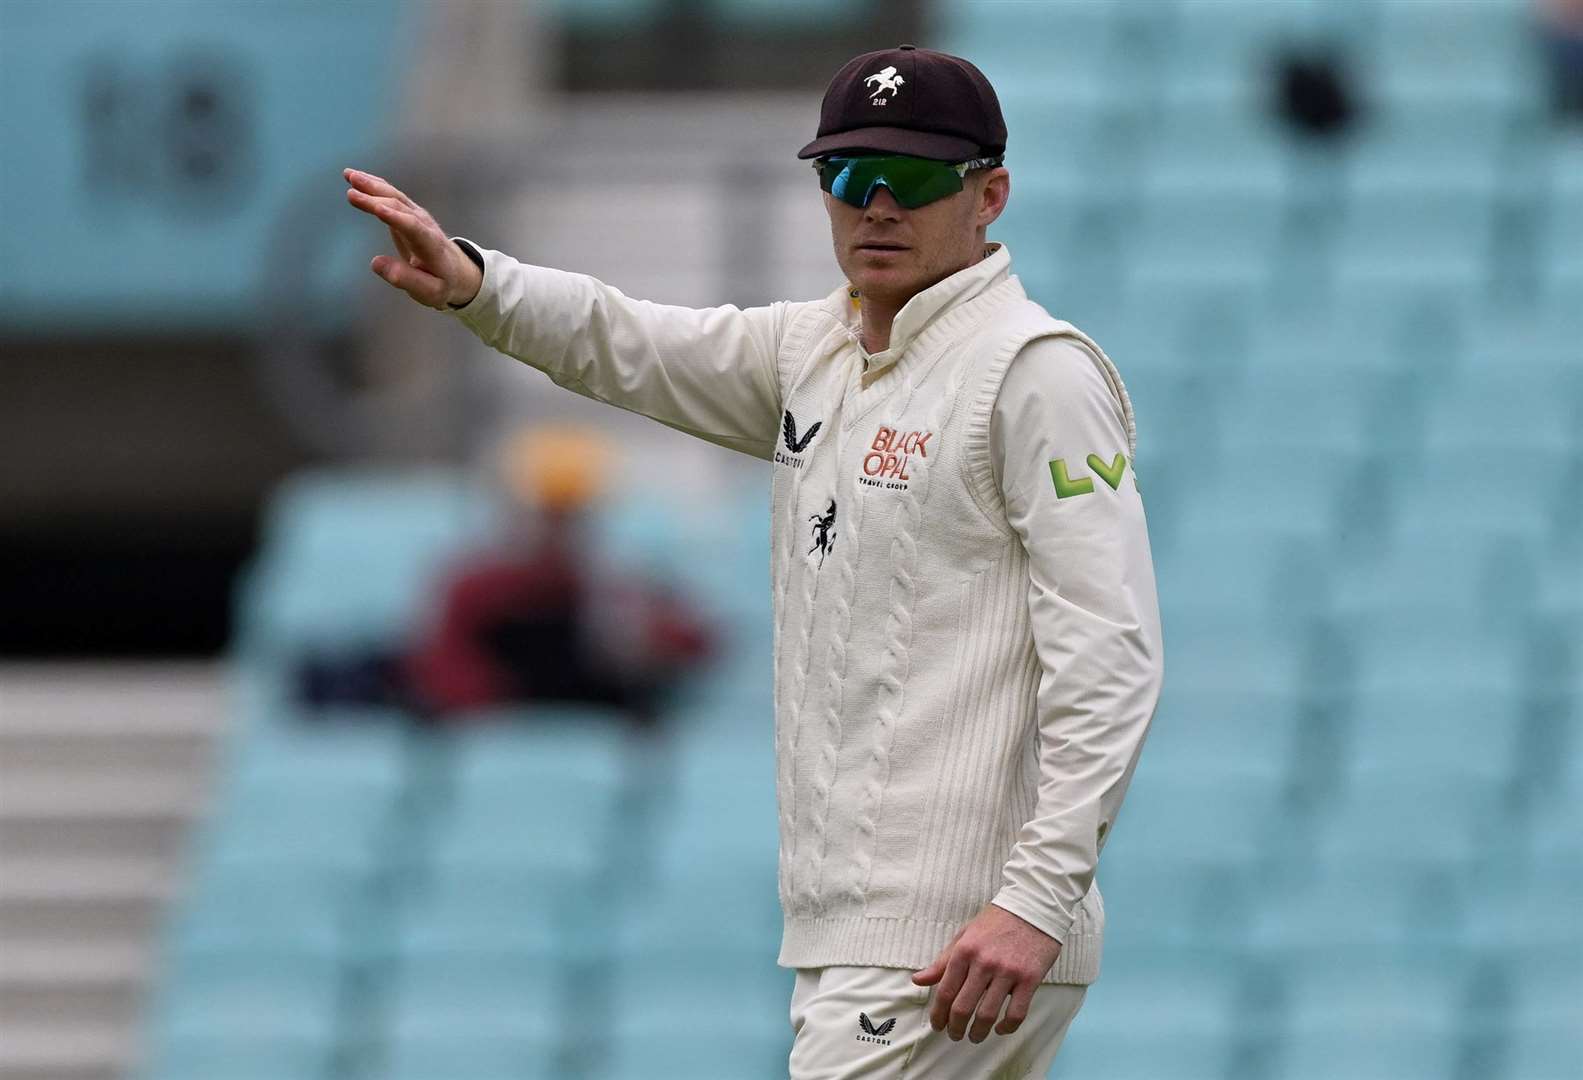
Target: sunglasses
{"points": [[913, 181]]}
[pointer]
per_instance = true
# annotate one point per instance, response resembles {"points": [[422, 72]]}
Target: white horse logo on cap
{"points": [[886, 80]]}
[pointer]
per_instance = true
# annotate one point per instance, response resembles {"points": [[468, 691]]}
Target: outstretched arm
{"points": [[710, 372]]}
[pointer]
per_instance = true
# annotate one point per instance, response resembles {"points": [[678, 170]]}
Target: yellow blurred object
{"points": [[557, 466]]}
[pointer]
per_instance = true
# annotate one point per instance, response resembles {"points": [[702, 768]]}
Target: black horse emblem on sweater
{"points": [[823, 530]]}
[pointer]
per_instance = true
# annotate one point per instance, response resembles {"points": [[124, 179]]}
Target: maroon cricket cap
{"points": [[913, 101]]}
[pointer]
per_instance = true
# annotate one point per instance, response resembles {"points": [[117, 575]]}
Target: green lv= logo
{"points": [[1066, 486]]}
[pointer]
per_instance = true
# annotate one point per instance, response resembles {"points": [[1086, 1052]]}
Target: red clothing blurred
{"points": [[545, 625]]}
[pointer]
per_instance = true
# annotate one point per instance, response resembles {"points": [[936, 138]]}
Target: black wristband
{"points": [[472, 253]]}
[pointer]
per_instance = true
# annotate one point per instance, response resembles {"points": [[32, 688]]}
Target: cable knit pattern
{"points": [[943, 701], [898, 652], [908, 764], [790, 725], [890, 865], [840, 643]]}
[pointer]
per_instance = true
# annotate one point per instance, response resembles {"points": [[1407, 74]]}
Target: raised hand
{"points": [[430, 268]]}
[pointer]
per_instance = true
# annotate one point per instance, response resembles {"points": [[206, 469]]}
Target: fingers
{"points": [[965, 1002], [426, 289], [1017, 1011], [956, 973], [374, 185], [420, 237], [989, 1007]]}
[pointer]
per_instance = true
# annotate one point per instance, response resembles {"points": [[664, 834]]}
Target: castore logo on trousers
{"points": [[874, 1034]]}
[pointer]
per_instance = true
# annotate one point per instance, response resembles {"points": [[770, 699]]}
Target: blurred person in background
{"points": [[1561, 28], [532, 617], [1314, 94], [968, 649]]}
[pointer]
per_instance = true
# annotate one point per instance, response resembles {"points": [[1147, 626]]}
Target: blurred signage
{"points": [[151, 150]]}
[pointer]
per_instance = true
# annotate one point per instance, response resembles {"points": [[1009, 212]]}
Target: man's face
{"points": [[936, 239]]}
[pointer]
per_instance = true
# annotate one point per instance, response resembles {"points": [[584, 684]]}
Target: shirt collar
{"points": [[919, 311]]}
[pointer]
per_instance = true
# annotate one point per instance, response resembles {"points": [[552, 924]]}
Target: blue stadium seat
{"points": [[1532, 916], [239, 904], [310, 824], [1544, 1054], [679, 914], [1538, 339], [1562, 242], [1489, 495], [255, 1003], [1553, 836], [501, 910], [1442, 238], [1547, 997], [1476, 54], [689, 1011], [1488, 409], [1220, 50], [1369, 1054], [1286, 492], [1440, 146], [1220, 820], [1191, 330], [561, 827], [1196, 149], [1141, 1054], [366, 755], [1198, 238], [1139, 996], [694, 847], [1422, 652], [1347, 999], [544, 791], [513, 1005], [1172, 908], [199, 1056], [1236, 660], [1466, 579], [1430, 822], [350, 555], [1378, 329], [718, 1047], [1209, 733], [1316, 408], [1449, 733], [718, 780], [1360, 911], [732, 703], [423, 1055], [1098, 71]]}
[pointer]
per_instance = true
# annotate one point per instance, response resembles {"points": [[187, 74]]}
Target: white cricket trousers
{"points": [[833, 1043]]}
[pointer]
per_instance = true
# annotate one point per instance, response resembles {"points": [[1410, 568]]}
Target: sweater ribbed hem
{"points": [[911, 943]]}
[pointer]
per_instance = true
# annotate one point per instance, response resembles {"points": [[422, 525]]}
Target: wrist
{"points": [[472, 275]]}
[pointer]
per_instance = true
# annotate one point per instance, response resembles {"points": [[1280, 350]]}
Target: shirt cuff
{"points": [[1041, 917], [474, 254]]}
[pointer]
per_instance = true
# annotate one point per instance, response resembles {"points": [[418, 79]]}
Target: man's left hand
{"points": [[994, 955]]}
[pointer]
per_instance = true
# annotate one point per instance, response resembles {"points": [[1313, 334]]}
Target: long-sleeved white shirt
{"points": [[968, 649]]}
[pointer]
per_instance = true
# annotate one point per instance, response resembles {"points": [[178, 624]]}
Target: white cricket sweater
{"points": [[967, 641]]}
